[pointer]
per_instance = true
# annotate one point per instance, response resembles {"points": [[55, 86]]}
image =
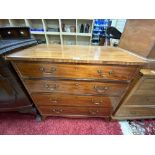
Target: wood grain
{"points": [[142, 112], [102, 72], [76, 81], [74, 87], [77, 54], [74, 111], [45, 99], [139, 37], [140, 102]]}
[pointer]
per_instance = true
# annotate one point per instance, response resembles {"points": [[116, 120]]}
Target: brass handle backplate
{"points": [[53, 100], [111, 72], [96, 102], [102, 74], [101, 89], [77, 84], [93, 112], [51, 87], [58, 111], [52, 70]]}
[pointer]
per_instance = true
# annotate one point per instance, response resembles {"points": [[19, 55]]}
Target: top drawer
{"points": [[38, 70]]}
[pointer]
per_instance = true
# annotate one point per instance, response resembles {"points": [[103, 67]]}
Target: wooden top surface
{"points": [[77, 54], [148, 72]]}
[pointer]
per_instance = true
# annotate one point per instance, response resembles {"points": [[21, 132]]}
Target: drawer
{"points": [[135, 112], [141, 100], [74, 111], [74, 87], [72, 100], [39, 70]]}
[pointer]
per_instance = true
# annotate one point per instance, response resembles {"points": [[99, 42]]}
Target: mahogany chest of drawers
{"points": [[76, 81]]}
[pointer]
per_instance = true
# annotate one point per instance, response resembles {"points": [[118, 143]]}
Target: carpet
{"points": [[142, 127], [24, 124], [138, 127]]}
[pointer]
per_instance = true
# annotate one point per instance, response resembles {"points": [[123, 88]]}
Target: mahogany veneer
{"points": [[100, 72], [76, 81]]}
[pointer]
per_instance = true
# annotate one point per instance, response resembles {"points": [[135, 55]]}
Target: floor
{"points": [[22, 124], [138, 127], [25, 124], [125, 127]]}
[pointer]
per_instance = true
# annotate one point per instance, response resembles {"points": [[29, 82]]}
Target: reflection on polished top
{"points": [[77, 54]]}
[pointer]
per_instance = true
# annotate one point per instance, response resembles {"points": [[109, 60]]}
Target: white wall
{"points": [[119, 24]]}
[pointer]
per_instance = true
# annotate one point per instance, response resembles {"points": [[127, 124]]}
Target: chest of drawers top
{"points": [[77, 54]]}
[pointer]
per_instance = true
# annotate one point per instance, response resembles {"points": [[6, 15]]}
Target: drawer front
{"points": [[141, 100], [39, 70], [72, 100], [74, 111], [135, 112], [74, 87]]}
